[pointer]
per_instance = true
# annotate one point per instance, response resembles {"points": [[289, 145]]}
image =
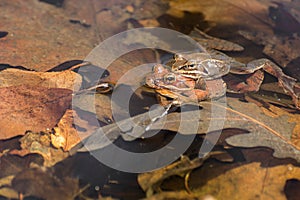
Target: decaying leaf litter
{"points": [[40, 111]]}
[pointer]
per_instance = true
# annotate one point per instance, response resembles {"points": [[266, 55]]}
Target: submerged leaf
{"points": [[65, 134], [65, 79], [247, 14], [250, 181], [10, 165], [42, 39], [44, 184], [13, 164], [150, 181], [33, 108], [281, 49], [9, 193], [263, 130], [281, 132], [40, 143]]}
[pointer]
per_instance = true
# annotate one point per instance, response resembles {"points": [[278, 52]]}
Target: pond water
{"points": [[252, 130]]}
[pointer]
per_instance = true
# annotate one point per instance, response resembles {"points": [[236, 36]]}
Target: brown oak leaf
{"points": [[32, 108]]}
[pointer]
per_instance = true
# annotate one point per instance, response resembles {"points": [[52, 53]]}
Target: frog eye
{"points": [[169, 78]]}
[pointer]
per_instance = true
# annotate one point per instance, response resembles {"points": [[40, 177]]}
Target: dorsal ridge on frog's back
{"points": [[199, 65]]}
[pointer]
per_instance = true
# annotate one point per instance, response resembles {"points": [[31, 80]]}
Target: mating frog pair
{"points": [[182, 87], [207, 75]]}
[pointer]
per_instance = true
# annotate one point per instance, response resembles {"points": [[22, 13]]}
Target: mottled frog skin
{"points": [[199, 65], [198, 75], [180, 88]]}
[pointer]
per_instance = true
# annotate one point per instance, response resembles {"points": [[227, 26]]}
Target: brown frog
{"points": [[198, 75], [181, 89], [212, 65]]}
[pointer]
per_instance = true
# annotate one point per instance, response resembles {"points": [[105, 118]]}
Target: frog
{"points": [[213, 65], [207, 73], [176, 89], [199, 65]]}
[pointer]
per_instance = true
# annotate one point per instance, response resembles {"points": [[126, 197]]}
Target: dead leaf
{"points": [[114, 16], [25, 108], [285, 14], [216, 180], [209, 42], [127, 62], [99, 103], [44, 184], [6, 180], [5, 188], [292, 7], [81, 13], [149, 9], [151, 181], [65, 79], [283, 49], [233, 13], [107, 109], [149, 23], [40, 35], [10, 144], [277, 133], [263, 130], [250, 181], [13, 164], [9, 193], [112, 21], [66, 136], [178, 195], [291, 189], [284, 140], [40, 143]]}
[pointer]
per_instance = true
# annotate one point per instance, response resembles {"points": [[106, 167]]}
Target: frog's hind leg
{"points": [[244, 83], [253, 82], [289, 84]]}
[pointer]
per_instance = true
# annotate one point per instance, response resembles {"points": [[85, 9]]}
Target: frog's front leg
{"points": [[201, 95], [166, 97], [191, 97]]}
